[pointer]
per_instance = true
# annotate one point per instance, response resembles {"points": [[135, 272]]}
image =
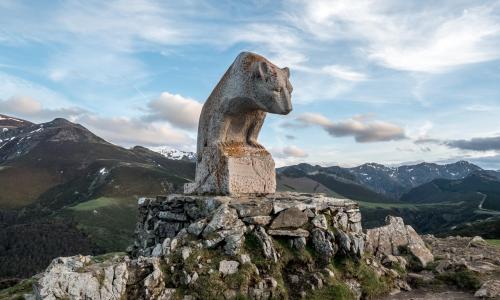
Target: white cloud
{"points": [[177, 110], [33, 110], [407, 36], [289, 152], [362, 128], [131, 132], [21, 105], [119, 130], [344, 73]]}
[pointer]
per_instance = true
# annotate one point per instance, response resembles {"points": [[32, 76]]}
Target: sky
{"points": [[386, 81]]}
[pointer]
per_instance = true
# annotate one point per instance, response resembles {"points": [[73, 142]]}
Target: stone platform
{"points": [[328, 224]]}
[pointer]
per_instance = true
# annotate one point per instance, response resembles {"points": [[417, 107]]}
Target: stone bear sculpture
{"points": [[229, 126]]}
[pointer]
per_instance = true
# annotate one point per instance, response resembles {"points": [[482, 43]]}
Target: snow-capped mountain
{"points": [[389, 181], [175, 154], [7, 123]]}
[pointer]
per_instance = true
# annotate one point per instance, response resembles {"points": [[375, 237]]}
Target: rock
{"points": [[230, 294], [343, 240], [358, 244], [222, 218], [78, 277], [322, 242], [489, 289], [167, 215], [173, 244], [341, 220], [197, 227], [165, 245], [157, 251], [245, 259], [354, 216], [272, 282], [228, 267], [329, 272], [389, 239], [320, 222], [418, 248], [234, 243], [194, 277], [266, 243], [317, 281], [258, 220], [355, 288], [293, 233], [298, 243], [477, 241], [289, 218], [185, 252], [253, 209], [280, 205], [185, 278], [309, 213], [294, 279], [355, 227], [229, 159], [389, 260]]}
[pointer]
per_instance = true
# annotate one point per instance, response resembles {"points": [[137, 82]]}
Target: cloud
{"points": [[119, 130], [406, 36], [344, 73], [476, 144], [32, 109], [179, 111], [362, 128], [131, 132], [289, 152]]}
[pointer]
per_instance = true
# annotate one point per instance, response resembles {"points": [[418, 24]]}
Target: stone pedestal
{"points": [[234, 170], [329, 224]]}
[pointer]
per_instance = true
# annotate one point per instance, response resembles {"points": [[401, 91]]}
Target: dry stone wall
{"points": [[327, 224]]}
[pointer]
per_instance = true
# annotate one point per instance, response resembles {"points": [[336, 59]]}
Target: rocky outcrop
{"points": [[219, 247], [397, 239], [82, 277], [489, 289]]}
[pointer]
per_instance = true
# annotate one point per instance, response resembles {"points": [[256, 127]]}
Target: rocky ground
{"points": [[464, 268], [289, 246]]}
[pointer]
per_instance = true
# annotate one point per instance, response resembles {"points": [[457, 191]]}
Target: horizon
{"points": [[159, 149], [391, 83]]}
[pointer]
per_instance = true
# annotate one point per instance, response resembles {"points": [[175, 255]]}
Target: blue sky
{"points": [[374, 81]]}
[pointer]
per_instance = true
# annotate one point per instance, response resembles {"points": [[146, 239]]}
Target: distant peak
{"points": [[60, 121]]}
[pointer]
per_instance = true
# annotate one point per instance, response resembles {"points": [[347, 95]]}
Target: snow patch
{"points": [[103, 171], [174, 154]]}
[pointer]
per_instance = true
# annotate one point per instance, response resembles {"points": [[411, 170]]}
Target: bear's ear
{"points": [[287, 71], [261, 70]]}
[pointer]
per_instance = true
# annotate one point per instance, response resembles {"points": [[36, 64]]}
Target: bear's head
{"points": [[271, 89]]}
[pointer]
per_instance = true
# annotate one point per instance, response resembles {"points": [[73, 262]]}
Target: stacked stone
{"points": [[329, 225]]}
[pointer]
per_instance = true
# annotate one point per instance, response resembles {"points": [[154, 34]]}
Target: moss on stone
{"points": [[209, 286], [372, 285], [333, 289], [243, 279], [17, 291], [463, 279]]}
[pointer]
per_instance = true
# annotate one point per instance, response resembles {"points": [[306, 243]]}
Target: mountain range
{"points": [[64, 190]]}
